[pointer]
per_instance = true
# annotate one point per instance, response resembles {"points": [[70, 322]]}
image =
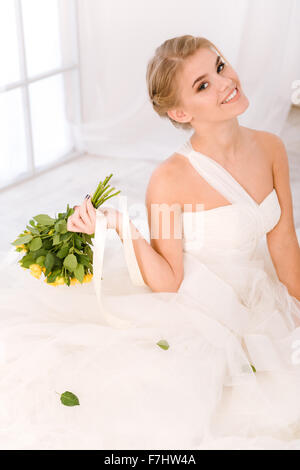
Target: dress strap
{"points": [[217, 176]]}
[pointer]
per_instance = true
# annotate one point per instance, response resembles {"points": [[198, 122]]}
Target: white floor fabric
{"points": [[69, 348]]}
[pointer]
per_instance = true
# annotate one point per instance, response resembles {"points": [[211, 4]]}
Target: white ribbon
{"points": [[98, 254]]}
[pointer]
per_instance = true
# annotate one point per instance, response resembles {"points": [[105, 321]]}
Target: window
{"points": [[39, 86]]}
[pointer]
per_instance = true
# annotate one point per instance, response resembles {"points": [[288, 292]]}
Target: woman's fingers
{"points": [[84, 213], [75, 223], [91, 212], [83, 219], [71, 226]]}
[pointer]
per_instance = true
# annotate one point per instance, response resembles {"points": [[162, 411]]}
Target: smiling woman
{"points": [[174, 65], [209, 353]]}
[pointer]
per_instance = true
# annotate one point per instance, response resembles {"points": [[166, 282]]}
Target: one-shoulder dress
{"points": [[227, 376]]}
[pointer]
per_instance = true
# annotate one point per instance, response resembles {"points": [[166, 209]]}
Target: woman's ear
{"points": [[178, 115]]}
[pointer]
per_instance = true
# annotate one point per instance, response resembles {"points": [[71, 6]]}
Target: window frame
{"points": [[23, 84]]}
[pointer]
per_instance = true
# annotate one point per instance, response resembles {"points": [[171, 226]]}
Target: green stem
{"points": [[105, 193], [102, 201], [100, 187]]}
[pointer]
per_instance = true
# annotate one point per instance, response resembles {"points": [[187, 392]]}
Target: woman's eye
{"points": [[200, 87], [222, 64]]}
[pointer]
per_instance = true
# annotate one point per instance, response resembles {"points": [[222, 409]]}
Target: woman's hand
{"points": [[84, 218]]}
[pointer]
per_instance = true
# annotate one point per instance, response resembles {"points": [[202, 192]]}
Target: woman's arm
{"points": [[155, 269], [161, 260], [282, 240]]}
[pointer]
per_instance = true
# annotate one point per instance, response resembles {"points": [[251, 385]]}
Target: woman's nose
{"points": [[225, 84]]}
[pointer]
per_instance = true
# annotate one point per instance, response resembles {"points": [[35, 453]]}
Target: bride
{"points": [[211, 358]]}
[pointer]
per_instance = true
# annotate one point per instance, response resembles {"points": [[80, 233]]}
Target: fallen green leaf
{"points": [[163, 344], [69, 399]]}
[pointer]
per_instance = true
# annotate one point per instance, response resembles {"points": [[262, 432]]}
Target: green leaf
{"points": [[33, 230], [70, 262], [70, 212], [47, 244], [163, 344], [40, 252], [253, 368], [40, 260], [35, 244], [88, 238], [56, 239], [78, 241], [61, 226], [66, 236], [63, 251], [69, 399], [44, 219], [82, 259], [79, 272], [49, 261], [58, 263], [23, 239], [26, 261], [51, 277], [88, 251]]}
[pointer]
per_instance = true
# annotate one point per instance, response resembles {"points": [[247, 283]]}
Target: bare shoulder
{"points": [[164, 180], [272, 145], [281, 176], [266, 136]]}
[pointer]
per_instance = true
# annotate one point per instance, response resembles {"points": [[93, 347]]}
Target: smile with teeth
{"points": [[230, 97]]}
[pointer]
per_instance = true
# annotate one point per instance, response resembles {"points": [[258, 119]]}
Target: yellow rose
{"points": [[59, 281], [24, 248], [43, 269], [73, 281], [35, 270], [88, 277]]}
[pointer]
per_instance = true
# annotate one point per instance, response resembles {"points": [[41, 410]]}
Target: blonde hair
{"points": [[163, 70]]}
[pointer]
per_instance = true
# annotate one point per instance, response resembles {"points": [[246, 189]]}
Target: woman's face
{"points": [[202, 98]]}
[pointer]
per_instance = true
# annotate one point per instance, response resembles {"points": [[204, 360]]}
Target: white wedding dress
{"points": [[230, 313]]}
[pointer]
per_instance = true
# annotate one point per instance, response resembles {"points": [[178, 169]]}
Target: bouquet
{"points": [[64, 257]]}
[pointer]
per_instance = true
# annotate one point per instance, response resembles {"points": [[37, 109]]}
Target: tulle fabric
{"points": [[133, 394], [229, 379]]}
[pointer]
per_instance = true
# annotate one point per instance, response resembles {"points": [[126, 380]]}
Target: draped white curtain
{"points": [[260, 38]]}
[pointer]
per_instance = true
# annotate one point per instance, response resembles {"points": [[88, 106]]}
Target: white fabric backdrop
{"points": [[259, 37]]}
